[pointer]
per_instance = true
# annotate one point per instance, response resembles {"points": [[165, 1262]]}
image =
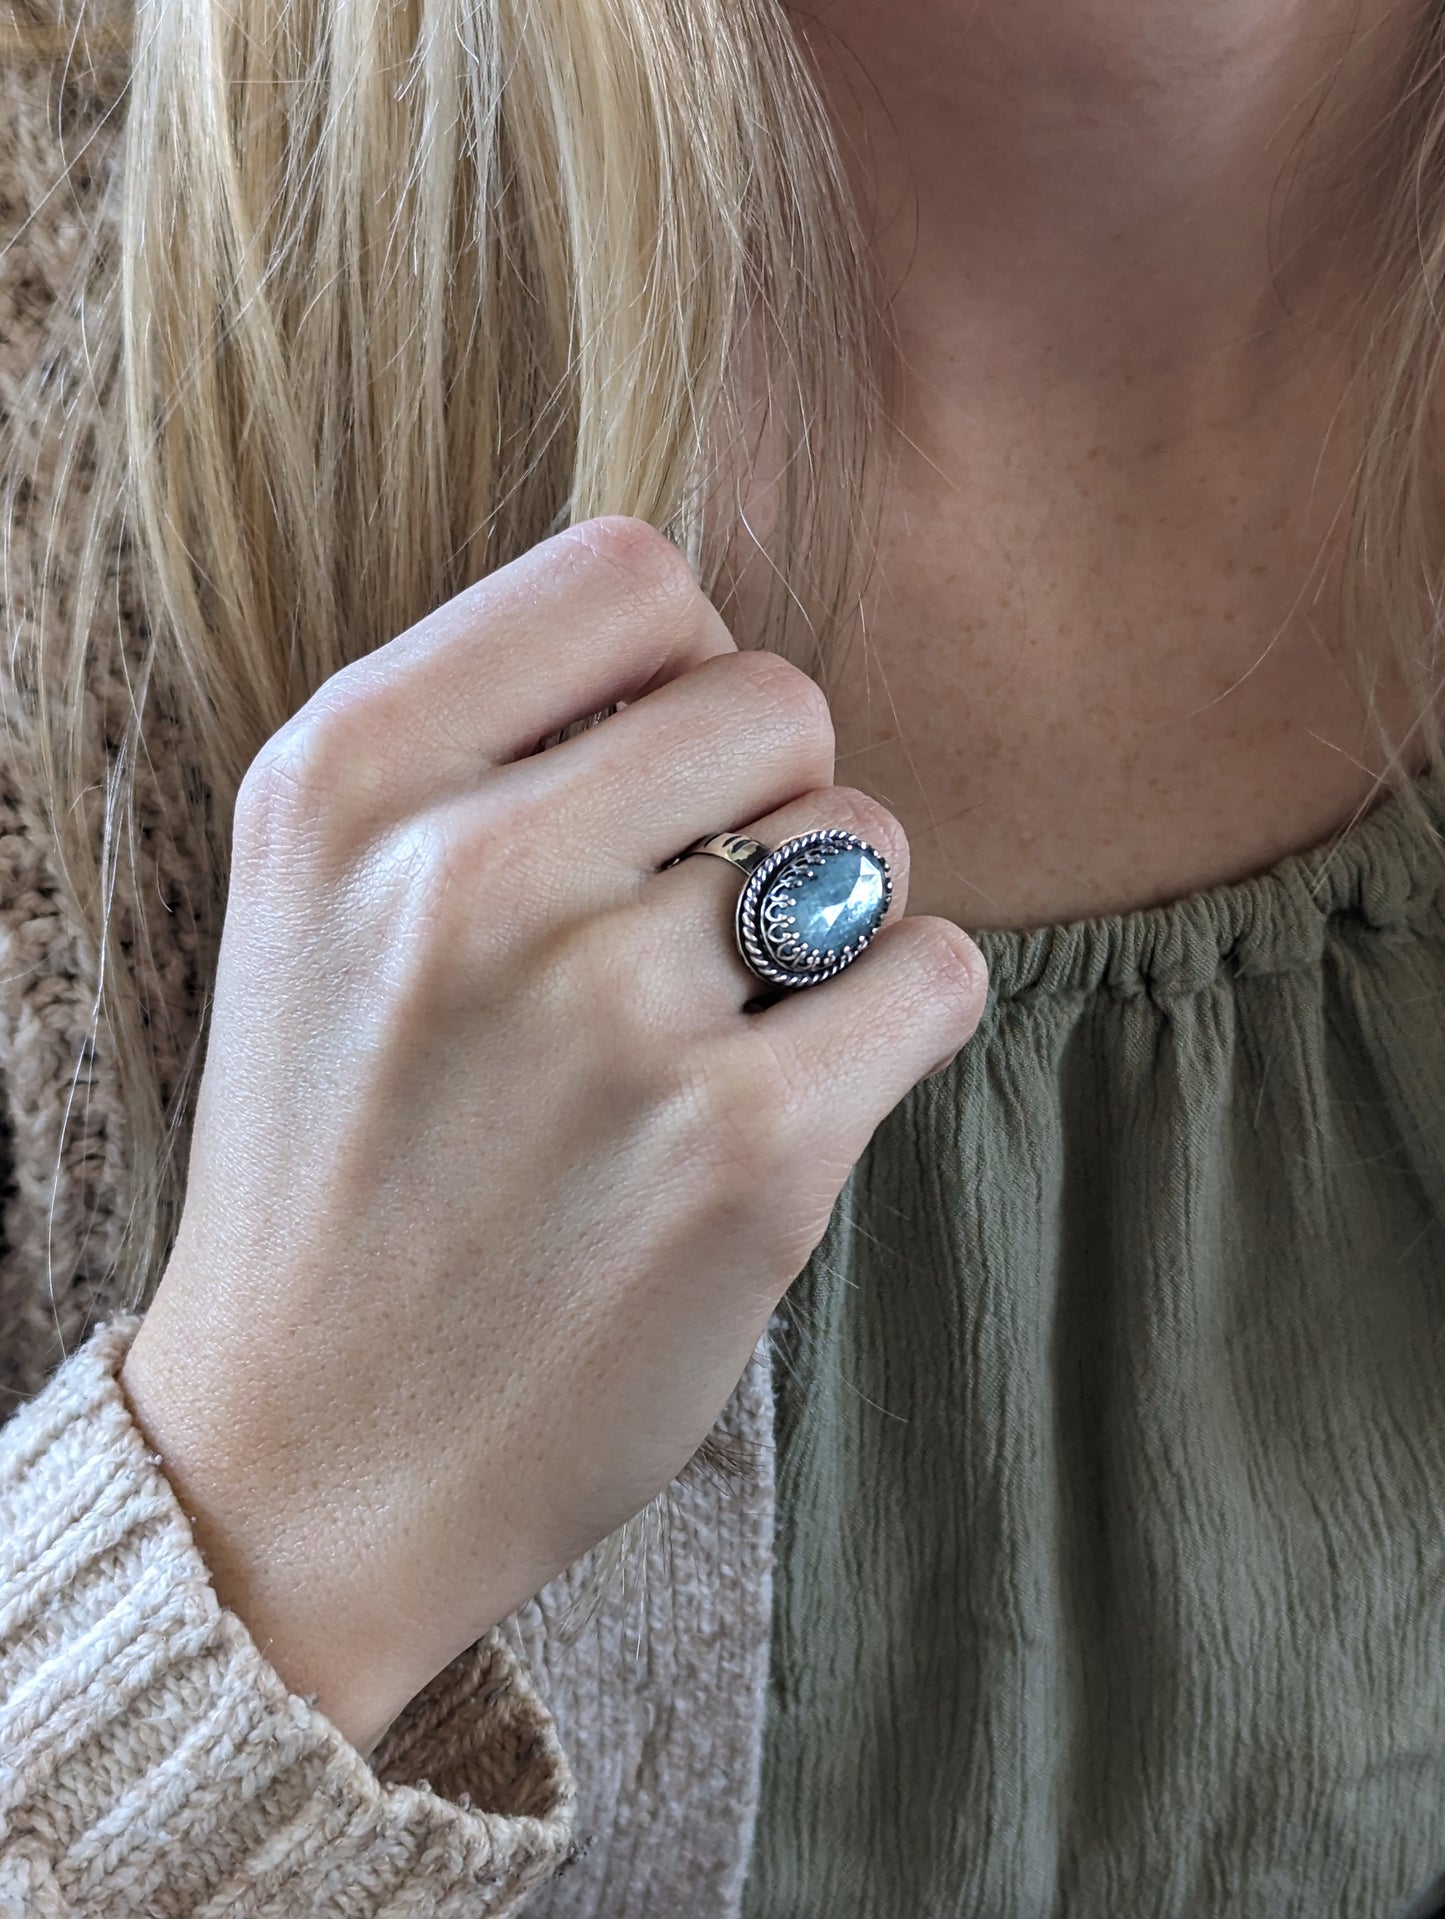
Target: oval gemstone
{"points": [[837, 901]]}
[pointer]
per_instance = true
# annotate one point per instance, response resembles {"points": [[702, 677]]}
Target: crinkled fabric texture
{"points": [[1111, 1562]]}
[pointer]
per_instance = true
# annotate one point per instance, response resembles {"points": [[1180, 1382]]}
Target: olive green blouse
{"points": [[1111, 1552]]}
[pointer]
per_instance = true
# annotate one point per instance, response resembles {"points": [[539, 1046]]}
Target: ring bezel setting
{"points": [[767, 910]]}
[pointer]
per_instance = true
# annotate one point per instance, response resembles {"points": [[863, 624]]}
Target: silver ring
{"points": [[809, 907]]}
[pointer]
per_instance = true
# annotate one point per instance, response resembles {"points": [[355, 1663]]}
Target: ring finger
{"points": [[687, 912]]}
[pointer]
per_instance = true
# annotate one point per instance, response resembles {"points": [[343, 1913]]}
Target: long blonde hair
{"points": [[404, 288]]}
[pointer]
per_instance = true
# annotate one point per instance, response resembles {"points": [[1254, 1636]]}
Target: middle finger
{"points": [[726, 741]]}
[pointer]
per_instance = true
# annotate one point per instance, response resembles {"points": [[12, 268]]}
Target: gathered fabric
{"points": [[1111, 1451]]}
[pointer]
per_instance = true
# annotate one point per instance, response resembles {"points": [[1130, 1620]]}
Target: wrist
{"points": [[289, 1570]]}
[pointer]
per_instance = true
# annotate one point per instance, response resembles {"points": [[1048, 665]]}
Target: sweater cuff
{"points": [[151, 1760]]}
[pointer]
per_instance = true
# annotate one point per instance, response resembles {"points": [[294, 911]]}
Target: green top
{"points": [[1111, 1561]]}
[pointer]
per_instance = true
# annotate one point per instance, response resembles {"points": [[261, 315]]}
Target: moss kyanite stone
{"points": [[838, 901]]}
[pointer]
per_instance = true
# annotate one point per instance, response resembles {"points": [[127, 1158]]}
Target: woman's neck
{"points": [[1102, 183], [1099, 663]]}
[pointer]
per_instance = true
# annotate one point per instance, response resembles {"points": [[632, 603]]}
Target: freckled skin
{"points": [[1108, 706], [1103, 663]]}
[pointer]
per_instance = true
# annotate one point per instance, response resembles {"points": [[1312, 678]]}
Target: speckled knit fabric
{"points": [[152, 1765]]}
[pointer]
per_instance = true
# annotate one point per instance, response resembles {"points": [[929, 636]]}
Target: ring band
{"points": [[809, 907]]}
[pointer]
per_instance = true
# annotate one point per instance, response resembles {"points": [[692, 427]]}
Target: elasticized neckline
{"points": [[1386, 871]]}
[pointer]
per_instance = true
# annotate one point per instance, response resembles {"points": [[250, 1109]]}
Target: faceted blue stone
{"points": [[838, 900]]}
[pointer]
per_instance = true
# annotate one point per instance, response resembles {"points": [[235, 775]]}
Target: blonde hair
{"points": [[405, 288]]}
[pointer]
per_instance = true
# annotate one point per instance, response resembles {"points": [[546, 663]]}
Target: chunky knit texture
{"points": [[151, 1762]]}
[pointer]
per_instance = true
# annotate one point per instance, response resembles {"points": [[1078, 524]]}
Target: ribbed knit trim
{"points": [[152, 1762]]}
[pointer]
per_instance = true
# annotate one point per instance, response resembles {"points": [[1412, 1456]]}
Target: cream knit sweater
{"points": [[151, 1762]]}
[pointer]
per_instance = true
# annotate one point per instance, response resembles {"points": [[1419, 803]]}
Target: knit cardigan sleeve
{"points": [[152, 1763]]}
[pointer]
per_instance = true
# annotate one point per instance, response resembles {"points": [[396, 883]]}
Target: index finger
{"points": [[601, 612]]}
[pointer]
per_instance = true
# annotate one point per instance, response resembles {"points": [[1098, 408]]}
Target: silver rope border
{"points": [[754, 909]]}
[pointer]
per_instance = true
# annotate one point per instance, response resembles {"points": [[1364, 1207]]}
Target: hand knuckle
{"points": [[945, 956], [506, 851], [442, 873], [784, 691], [650, 563], [325, 772], [279, 794], [760, 1140], [322, 754]]}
